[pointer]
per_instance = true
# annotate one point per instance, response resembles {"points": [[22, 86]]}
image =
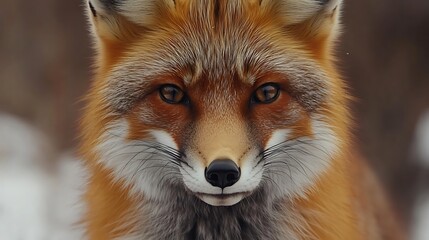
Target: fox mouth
{"points": [[222, 199]]}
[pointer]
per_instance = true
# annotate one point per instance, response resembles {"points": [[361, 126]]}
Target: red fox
{"points": [[223, 119]]}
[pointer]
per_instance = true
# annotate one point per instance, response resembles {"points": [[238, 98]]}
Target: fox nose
{"points": [[222, 173]]}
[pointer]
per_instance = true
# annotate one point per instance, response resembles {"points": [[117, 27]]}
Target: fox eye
{"points": [[266, 93], [171, 94]]}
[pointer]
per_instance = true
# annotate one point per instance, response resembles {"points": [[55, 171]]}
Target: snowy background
{"points": [[45, 69], [39, 187]]}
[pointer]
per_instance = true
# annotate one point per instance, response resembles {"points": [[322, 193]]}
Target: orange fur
{"points": [[331, 209], [105, 193], [328, 209]]}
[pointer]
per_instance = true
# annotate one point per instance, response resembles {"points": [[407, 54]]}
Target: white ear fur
{"points": [[310, 19], [296, 11], [121, 19], [141, 12]]}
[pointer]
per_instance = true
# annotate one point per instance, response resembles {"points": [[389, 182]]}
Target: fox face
{"points": [[215, 99]]}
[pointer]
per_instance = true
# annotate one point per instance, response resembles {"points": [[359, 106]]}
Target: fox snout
{"points": [[222, 173], [219, 154]]}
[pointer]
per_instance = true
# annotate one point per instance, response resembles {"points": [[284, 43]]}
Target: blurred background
{"points": [[45, 59]]}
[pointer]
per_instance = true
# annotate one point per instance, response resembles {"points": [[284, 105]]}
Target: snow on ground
{"points": [[420, 224], [67, 192], [38, 189], [24, 197], [25, 183], [420, 228]]}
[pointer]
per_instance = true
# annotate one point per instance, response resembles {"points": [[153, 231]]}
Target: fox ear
{"points": [[121, 20], [312, 20]]}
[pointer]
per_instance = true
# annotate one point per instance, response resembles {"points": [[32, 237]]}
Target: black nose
{"points": [[222, 173]]}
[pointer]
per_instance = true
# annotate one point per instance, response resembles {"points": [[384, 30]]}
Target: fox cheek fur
{"points": [[216, 119]]}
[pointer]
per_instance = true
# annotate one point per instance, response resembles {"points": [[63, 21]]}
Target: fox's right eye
{"points": [[171, 94], [266, 93]]}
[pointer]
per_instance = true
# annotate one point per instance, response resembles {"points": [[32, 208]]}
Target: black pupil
{"points": [[172, 94], [267, 93]]}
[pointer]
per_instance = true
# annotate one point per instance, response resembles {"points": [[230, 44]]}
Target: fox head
{"points": [[214, 98]]}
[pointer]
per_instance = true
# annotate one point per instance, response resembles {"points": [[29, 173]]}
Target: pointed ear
{"points": [[123, 20], [311, 20]]}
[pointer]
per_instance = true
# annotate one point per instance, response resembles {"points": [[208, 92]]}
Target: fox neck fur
{"points": [[324, 214]]}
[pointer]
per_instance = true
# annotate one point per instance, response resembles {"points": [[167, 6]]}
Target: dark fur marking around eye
{"points": [[94, 13]]}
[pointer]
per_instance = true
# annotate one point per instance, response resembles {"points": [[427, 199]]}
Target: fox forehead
{"points": [[217, 45]]}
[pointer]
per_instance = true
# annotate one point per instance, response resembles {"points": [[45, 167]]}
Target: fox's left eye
{"points": [[266, 93], [171, 94]]}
